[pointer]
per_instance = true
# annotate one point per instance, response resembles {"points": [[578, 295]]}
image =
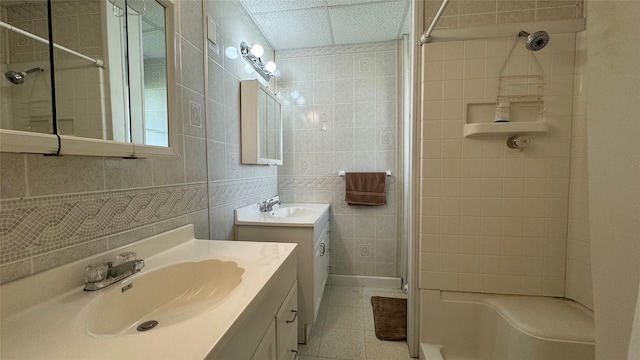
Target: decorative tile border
{"points": [[33, 226], [316, 182], [310, 182], [231, 191]]}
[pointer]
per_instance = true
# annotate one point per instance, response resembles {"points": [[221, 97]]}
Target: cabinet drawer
{"points": [[287, 326], [267, 348]]}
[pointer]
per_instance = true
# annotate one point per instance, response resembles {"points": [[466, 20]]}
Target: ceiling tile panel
{"points": [[367, 23], [296, 29], [351, 2], [260, 6]]}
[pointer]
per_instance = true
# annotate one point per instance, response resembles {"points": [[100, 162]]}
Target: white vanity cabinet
{"points": [[267, 347], [321, 266], [286, 324], [269, 332], [312, 257]]}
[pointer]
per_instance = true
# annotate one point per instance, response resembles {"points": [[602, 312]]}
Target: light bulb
{"points": [[270, 66], [231, 52], [257, 50]]}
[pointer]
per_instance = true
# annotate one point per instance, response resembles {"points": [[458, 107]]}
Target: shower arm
{"points": [[426, 37], [98, 62]]}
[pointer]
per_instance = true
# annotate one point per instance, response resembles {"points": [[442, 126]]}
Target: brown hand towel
{"points": [[365, 188]]}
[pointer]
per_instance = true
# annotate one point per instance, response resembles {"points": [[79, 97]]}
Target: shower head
{"points": [[535, 41], [17, 77]]}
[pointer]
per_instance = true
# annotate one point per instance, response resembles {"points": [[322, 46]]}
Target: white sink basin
{"points": [[292, 212], [167, 295], [199, 291], [287, 214]]}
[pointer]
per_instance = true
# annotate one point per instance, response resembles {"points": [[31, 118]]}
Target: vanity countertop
{"points": [[308, 215], [44, 316]]}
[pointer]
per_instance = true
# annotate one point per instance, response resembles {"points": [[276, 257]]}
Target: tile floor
{"points": [[344, 328]]}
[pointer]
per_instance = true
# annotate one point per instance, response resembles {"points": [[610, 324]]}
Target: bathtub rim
{"points": [[481, 299]]}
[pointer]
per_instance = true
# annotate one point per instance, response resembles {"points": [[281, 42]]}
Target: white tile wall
{"points": [[493, 219], [340, 108], [470, 13], [227, 176]]}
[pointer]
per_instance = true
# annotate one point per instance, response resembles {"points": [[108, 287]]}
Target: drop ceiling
{"points": [[294, 24]]}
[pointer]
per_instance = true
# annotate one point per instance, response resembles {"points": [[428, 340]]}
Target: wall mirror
{"points": [[260, 124], [111, 88]]}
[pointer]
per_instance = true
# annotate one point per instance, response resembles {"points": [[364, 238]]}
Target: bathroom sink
{"points": [[167, 296], [201, 292], [292, 212], [287, 214]]}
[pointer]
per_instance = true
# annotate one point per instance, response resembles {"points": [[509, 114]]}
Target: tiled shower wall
{"points": [[470, 13], [493, 219], [340, 112]]}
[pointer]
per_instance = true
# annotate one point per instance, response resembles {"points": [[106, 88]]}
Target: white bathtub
{"points": [[469, 326]]}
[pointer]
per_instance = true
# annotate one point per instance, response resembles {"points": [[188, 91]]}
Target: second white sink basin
{"points": [[292, 212], [287, 214], [167, 295]]}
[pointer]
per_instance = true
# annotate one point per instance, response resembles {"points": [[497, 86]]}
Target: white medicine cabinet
{"points": [[261, 124]]}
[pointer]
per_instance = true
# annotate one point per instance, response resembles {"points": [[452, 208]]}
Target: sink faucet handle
{"points": [[125, 257], [96, 272]]}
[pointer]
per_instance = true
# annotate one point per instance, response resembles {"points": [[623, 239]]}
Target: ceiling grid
{"points": [[294, 24]]}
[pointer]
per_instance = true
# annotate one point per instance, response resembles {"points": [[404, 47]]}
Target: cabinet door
{"points": [[326, 259], [263, 124], [277, 133], [267, 348], [287, 326], [320, 267]]}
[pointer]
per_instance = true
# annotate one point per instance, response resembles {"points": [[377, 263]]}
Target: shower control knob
{"points": [[518, 142]]}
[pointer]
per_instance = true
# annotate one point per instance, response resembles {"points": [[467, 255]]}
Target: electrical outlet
{"points": [[364, 250]]}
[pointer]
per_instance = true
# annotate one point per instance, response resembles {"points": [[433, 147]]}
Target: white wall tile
{"points": [[353, 91], [452, 90], [512, 203], [453, 50], [453, 70], [452, 110], [470, 245], [433, 52], [449, 262]]}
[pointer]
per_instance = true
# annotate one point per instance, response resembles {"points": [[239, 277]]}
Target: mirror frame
{"points": [[15, 141]]}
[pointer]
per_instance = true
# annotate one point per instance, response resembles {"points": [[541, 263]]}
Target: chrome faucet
{"points": [[267, 205], [101, 275]]}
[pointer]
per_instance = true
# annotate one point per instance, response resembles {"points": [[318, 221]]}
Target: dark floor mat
{"points": [[390, 317]]}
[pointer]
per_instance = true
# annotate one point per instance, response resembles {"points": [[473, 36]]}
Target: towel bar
{"points": [[341, 172]]}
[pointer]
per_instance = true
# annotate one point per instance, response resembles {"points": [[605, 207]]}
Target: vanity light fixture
{"points": [[252, 54]]}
